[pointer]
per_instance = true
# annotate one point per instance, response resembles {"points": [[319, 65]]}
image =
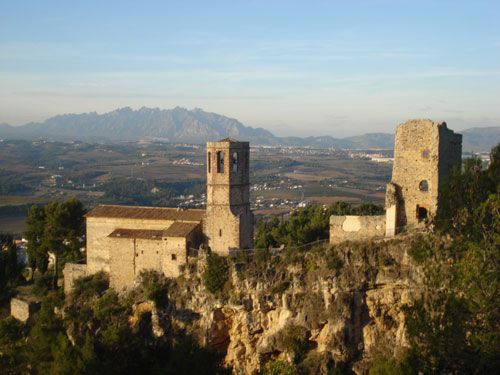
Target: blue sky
{"points": [[294, 67]]}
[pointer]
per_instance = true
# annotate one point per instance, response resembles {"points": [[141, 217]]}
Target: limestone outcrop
{"points": [[344, 304]]}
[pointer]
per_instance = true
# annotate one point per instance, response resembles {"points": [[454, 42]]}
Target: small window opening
{"points": [[220, 162], [423, 186], [421, 213], [209, 162], [220, 232], [425, 154], [174, 256], [235, 162]]}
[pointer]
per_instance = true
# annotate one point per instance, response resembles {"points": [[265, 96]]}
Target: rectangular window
{"points": [[235, 162], [174, 256], [220, 232], [209, 162], [220, 162]]}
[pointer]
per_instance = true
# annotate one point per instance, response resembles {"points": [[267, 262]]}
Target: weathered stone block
{"points": [[356, 228], [22, 309], [71, 272]]}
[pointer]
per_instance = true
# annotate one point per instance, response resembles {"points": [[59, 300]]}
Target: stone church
{"points": [[424, 154], [125, 240]]}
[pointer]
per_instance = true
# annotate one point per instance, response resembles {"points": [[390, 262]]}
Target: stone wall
{"points": [[450, 152], [22, 309], [98, 242], [130, 256], [356, 228], [71, 272], [424, 154], [416, 156]]}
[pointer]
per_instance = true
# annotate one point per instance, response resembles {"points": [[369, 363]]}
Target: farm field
{"points": [[164, 174]]}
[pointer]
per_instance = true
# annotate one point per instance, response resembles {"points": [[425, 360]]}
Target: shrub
{"points": [[216, 273], [314, 363], [281, 287], [88, 286], [385, 260], [293, 338], [420, 250], [42, 284], [333, 261], [389, 366], [279, 367], [262, 256], [154, 286]]}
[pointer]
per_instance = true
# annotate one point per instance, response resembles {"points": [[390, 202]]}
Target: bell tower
{"points": [[228, 220]]}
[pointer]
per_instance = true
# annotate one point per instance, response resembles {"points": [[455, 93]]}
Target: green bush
{"points": [[216, 273], [89, 286], [314, 363], [390, 366], [333, 261], [293, 338], [281, 287], [42, 284], [307, 224], [279, 367], [262, 256], [420, 250], [155, 287]]}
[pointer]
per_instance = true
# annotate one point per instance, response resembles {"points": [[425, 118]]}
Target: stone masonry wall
{"points": [[98, 242], [71, 272], [416, 155], [450, 152], [356, 228], [228, 221], [424, 154], [130, 256]]}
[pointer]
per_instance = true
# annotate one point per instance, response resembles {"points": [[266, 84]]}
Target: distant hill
{"points": [[197, 126], [480, 139], [172, 125]]}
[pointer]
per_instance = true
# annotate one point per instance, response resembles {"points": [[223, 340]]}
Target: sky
{"points": [[301, 68]]}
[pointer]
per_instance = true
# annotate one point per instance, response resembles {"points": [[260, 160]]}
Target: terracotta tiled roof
{"points": [[179, 229], [146, 213], [137, 233]]}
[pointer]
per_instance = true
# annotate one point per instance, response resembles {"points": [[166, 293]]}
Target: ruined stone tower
{"points": [[424, 154], [228, 222]]}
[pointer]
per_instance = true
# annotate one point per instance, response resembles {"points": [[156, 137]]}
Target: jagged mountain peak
{"points": [[195, 125]]}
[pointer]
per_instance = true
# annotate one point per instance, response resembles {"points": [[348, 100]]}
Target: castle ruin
{"points": [[424, 154], [126, 240]]}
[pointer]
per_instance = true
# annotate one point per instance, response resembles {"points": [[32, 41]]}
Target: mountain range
{"points": [[197, 126]]}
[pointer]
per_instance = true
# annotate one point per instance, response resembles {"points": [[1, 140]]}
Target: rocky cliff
{"points": [[331, 307]]}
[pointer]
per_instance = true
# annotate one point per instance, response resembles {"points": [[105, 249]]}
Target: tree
{"points": [[35, 222], [9, 268], [216, 273], [455, 326], [306, 224], [57, 228]]}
